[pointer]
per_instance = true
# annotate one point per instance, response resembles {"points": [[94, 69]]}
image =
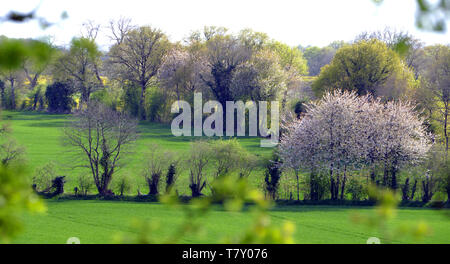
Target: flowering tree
{"points": [[344, 132], [180, 72]]}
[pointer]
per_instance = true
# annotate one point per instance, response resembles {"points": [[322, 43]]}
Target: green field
{"points": [[41, 135], [100, 221]]}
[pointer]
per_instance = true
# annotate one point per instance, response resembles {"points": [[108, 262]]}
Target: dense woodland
{"points": [[371, 111]]}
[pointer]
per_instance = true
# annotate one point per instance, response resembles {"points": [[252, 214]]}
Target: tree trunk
{"points": [[142, 113], [13, 95], [3, 95], [298, 185], [153, 183], [405, 190], [385, 175], [336, 186], [332, 183], [445, 127], [343, 184], [394, 179], [85, 96], [413, 190], [313, 186], [372, 175], [448, 194]]}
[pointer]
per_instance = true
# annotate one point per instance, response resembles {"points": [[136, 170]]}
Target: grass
{"points": [[41, 135], [100, 221]]}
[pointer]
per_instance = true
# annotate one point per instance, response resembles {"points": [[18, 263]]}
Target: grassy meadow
{"points": [[41, 135], [99, 221]]}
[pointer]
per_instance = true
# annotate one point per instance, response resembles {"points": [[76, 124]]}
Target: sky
{"points": [[295, 22]]}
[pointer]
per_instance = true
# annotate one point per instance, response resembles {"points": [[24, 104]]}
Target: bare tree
{"points": [[119, 29], [10, 151], [101, 135], [90, 30], [157, 161], [199, 159]]}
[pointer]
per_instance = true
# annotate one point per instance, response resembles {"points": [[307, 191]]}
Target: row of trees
{"points": [[103, 136], [147, 71], [143, 73]]}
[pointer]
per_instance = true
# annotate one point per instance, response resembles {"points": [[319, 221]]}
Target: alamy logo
{"points": [[213, 125]]}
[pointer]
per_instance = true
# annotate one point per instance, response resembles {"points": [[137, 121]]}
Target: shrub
{"points": [[300, 108], [356, 189], [272, 177], [85, 184], [156, 162], [123, 184], [199, 159], [59, 97], [44, 175], [131, 98], [170, 177]]}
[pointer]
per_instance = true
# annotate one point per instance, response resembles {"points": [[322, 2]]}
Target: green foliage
{"points": [[48, 147], [110, 96], [84, 185], [431, 15], [156, 105], [16, 196], [318, 57], [85, 45], [356, 189], [227, 155], [366, 67], [14, 52], [131, 99], [42, 179], [318, 186], [122, 184], [273, 176], [59, 97], [291, 58]]}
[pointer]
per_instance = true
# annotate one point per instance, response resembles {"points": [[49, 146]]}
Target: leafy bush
{"points": [[123, 184], [300, 108], [157, 161], [170, 177], [156, 105], [356, 189], [272, 177], [59, 97], [318, 186], [131, 100], [17, 196], [43, 177], [85, 184]]}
